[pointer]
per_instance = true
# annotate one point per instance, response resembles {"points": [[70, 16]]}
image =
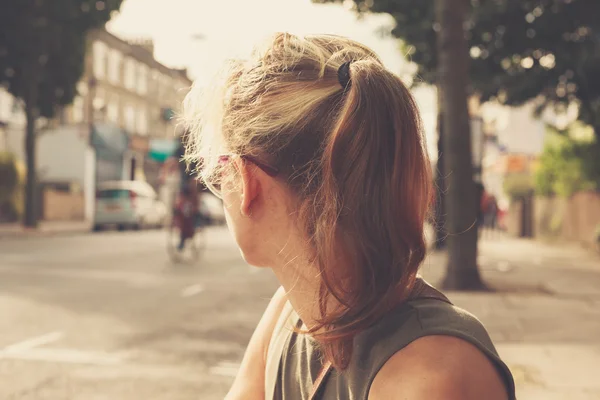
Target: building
{"points": [[126, 100], [128, 87], [125, 86]]}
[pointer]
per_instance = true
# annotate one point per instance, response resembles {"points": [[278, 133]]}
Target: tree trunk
{"points": [[461, 205], [440, 183], [31, 212]]}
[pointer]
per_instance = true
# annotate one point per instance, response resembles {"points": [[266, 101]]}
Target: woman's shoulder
{"points": [[424, 317], [423, 331], [438, 317], [439, 367]]}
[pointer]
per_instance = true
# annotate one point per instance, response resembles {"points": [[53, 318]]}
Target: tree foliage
{"points": [[46, 39], [521, 50], [569, 163]]}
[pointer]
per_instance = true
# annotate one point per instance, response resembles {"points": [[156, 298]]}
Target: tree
{"points": [[42, 49], [461, 204]]}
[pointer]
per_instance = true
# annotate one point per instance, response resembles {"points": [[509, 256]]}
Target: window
{"points": [[142, 84], [130, 119], [142, 121], [165, 87], [77, 110], [130, 73], [99, 99], [112, 111], [100, 51], [154, 77], [82, 88], [114, 66]]}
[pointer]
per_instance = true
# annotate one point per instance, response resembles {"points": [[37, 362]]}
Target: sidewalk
{"points": [[44, 229], [544, 315]]}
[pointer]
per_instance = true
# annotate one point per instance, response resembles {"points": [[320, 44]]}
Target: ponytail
{"points": [[374, 198]]}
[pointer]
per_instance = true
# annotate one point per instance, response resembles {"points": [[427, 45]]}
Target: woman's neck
{"points": [[300, 279], [301, 290]]}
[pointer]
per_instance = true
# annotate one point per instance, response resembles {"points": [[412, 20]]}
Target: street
{"points": [[107, 316]]}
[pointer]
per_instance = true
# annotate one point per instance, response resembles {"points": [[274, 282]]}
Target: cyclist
{"points": [[185, 213]]}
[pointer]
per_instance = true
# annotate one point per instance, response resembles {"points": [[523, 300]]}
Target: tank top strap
{"points": [[288, 319]]}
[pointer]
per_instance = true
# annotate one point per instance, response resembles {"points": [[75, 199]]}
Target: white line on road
{"points": [[192, 290], [503, 266], [225, 368], [33, 342], [136, 279], [255, 270], [66, 356]]}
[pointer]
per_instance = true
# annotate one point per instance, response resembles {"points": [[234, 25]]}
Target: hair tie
{"points": [[343, 74]]}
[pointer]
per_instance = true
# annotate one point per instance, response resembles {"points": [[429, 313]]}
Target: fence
{"points": [[576, 218]]}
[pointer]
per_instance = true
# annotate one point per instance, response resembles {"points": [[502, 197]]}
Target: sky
{"points": [[201, 34], [231, 27]]}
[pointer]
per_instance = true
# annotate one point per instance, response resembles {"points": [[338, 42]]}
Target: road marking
{"points": [[33, 342], [30, 350], [135, 279], [503, 266], [225, 368], [192, 290], [65, 356]]}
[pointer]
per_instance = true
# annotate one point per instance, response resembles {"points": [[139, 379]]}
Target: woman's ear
{"points": [[250, 186]]}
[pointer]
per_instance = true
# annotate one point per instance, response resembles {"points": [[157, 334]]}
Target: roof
{"points": [[139, 53]]}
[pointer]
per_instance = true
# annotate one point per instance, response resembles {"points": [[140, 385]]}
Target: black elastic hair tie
{"points": [[343, 74]]}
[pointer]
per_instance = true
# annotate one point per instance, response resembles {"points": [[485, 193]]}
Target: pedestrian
{"points": [[318, 154], [482, 204], [492, 215]]}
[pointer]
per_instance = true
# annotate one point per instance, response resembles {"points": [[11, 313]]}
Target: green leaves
{"points": [[569, 162]]}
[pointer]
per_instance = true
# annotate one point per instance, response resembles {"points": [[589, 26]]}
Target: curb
{"points": [[22, 233]]}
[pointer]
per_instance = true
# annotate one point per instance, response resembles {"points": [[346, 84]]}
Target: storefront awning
{"points": [[161, 149]]}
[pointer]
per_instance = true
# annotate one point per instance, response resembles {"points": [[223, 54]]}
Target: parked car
{"points": [[128, 204]]}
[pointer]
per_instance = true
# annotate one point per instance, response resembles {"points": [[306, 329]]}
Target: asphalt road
{"points": [[108, 316]]}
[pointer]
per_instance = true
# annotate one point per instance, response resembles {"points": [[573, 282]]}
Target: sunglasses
{"points": [[214, 185]]}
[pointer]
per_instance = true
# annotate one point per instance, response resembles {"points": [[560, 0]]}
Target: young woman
{"points": [[318, 154]]}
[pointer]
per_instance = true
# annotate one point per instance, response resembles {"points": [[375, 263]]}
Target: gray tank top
{"points": [[296, 362]]}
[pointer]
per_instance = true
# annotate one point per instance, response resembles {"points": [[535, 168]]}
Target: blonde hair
{"points": [[353, 156]]}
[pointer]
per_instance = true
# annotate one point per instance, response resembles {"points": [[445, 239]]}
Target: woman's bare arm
{"points": [[249, 383]]}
